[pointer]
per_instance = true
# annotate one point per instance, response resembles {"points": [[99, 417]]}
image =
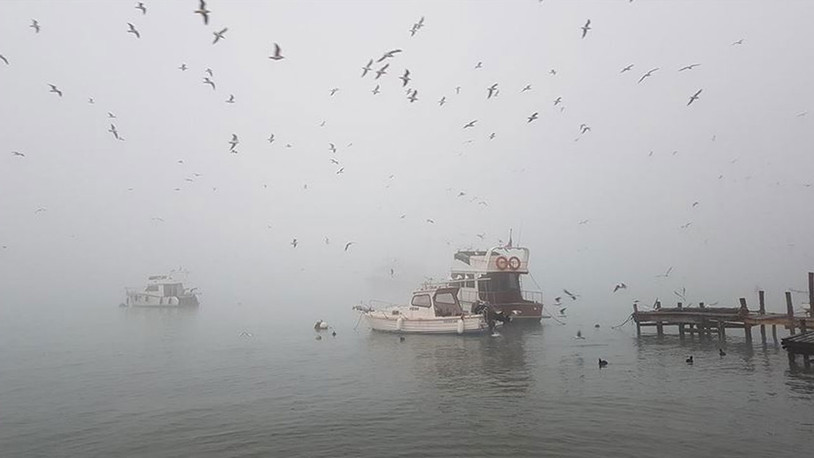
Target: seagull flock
{"points": [[389, 65]]}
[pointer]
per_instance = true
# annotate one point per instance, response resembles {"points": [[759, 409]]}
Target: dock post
{"points": [[762, 302], [774, 333], [810, 295], [636, 319], [721, 331], [659, 329], [790, 312], [701, 305], [747, 328], [803, 327], [681, 331], [744, 313], [743, 310], [792, 362], [763, 334]]}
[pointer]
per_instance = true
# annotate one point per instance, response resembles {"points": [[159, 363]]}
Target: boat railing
{"points": [[500, 297]]}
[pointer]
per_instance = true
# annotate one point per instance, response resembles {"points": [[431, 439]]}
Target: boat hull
{"points": [[142, 300], [439, 325]]}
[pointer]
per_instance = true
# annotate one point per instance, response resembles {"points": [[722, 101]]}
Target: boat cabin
{"points": [[493, 276], [440, 302]]}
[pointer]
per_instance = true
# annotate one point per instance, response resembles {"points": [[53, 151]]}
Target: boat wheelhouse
{"points": [[162, 291], [493, 276], [434, 309]]}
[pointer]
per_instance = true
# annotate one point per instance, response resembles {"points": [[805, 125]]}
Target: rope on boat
{"points": [[623, 323]]}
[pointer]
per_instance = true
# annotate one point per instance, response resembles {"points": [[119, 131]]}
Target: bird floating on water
{"points": [[689, 360], [721, 352], [602, 363]]}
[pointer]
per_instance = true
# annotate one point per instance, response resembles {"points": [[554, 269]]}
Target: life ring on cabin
{"points": [[501, 262], [514, 263]]}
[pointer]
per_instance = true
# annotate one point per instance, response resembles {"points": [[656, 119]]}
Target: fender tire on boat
{"points": [[460, 326], [514, 263], [399, 323], [501, 262]]}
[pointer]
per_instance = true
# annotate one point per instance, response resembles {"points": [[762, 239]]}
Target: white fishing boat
{"points": [[434, 309], [162, 291], [494, 276]]}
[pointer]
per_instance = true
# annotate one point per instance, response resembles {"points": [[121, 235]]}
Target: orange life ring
{"points": [[501, 262], [514, 263]]}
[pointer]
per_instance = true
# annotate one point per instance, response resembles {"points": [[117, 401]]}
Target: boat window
{"points": [[446, 304], [152, 288], [421, 300], [470, 284]]}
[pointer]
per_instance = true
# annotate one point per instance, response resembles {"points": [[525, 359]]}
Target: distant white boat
{"points": [[434, 309], [162, 291]]}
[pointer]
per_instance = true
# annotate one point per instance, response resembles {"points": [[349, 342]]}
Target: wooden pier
{"points": [[800, 344], [704, 321]]}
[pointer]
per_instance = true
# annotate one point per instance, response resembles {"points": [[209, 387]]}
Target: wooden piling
{"points": [[635, 315], [761, 301], [774, 333], [810, 294], [701, 305], [681, 331], [790, 312], [763, 334], [743, 310], [659, 329], [748, 330]]}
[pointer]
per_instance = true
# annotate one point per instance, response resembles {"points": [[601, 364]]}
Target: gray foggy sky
{"points": [[742, 150]]}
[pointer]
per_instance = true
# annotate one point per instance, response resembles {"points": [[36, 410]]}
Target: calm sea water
{"points": [[169, 383]]}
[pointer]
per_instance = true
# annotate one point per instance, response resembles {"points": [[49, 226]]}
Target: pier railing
{"points": [[500, 297]]}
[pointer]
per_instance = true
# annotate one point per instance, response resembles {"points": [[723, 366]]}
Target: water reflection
{"points": [[482, 364]]}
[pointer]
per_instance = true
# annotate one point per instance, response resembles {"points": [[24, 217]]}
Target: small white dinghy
{"points": [[434, 309]]}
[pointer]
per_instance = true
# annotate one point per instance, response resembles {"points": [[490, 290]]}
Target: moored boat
{"points": [[433, 309], [493, 276], [162, 291]]}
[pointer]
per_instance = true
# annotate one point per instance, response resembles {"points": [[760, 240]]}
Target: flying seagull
{"points": [[413, 97], [442, 101], [183, 67], [271, 138], [39, 210], [17, 153], [367, 68], [233, 142], [666, 274], [35, 25], [209, 72], [231, 99], [739, 42], [294, 243], [219, 35], [688, 67], [527, 88], [585, 28], [619, 286], [277, 53], [133, 30], [209, 82], [334, 91], [532, 117], [113, 131], [570, 294], [430, 221], [492, 137], [470, 124], [203, 12], [55, 90], [647, 74], [376, 90], [141, 7], [491, 90], [111, 115], [694, 97], [3, 58], [341, 169], [382, 71], [479, 65], [557, 101], [347, 245], [389, 54], [627, 69], [405, 78]]}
